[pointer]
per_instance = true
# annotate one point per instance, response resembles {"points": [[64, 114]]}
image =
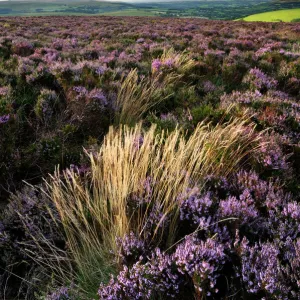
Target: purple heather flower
{"points": [[260, 267], [242, 208], [63, 293], [271, 154], [216, 53], [144, 280], [97, 94], [292, 210], [4, 119], [196, 207], [169, 117], [169, 63], [81, 91], [208, 87], [123, 55], [156, 65], [100, 70], [131, 248], [259, 80], [202, 261]]}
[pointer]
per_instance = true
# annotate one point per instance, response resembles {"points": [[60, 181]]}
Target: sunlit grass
{"points": [[285, 15], [136, 96], [94, 210]]}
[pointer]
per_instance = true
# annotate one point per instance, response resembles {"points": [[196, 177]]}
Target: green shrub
{"points": [[46, 104]]}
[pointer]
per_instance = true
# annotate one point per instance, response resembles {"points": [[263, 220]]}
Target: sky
{"points": [[110, 0], [139, 1]]}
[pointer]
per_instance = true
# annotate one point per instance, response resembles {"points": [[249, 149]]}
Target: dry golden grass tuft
{"points": [[94, 212], [136, 96]]}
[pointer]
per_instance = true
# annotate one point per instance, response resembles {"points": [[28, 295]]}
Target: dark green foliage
{"points": [[209, 114], [26, 220]]}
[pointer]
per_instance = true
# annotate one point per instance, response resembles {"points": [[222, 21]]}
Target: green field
{"points": [[207, 9], [287, 15], [131, 12]]}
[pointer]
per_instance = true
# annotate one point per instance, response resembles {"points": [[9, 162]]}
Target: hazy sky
{"points": [[110, 0], [115, 0]]}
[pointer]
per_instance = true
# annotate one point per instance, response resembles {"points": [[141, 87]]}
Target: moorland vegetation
{"points": [[149, 158]]}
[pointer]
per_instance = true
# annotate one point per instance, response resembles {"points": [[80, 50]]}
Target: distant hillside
{"points": [[205, 9]]}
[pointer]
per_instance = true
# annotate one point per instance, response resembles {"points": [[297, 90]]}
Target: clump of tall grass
{"points": [[93, 210], [137, 95], [181, 61]]}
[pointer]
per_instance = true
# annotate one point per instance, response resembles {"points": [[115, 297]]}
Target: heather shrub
{"points": [[235, 67], [62, 293], [8, 154], [258, 80], [93, 111], [5, 48], [217, 245], [28, 225], [292, 86], [166, 122], [202, 261], [45, 105], [22, 47], [233, 74], [155, 279], [212, 63]]}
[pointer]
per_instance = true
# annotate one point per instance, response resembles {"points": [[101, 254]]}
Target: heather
{"points": [[147, 158]]}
